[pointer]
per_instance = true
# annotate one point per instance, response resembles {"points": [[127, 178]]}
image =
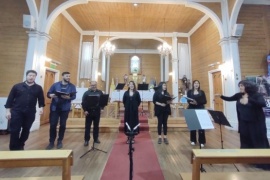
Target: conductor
{"points": [[92, 113]]}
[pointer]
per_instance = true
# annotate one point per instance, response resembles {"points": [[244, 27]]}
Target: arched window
{"points": [[135, 65]]}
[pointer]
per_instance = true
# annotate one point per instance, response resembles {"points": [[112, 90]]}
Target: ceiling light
{"points": [[164, 49]]}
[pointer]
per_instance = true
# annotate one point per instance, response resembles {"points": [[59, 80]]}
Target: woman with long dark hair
{"points": [[251, 118], [196, 100], [162, 110], [131, 101]]}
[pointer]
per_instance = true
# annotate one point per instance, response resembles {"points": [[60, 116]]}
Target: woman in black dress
{"points": [[162, 110], [198, 101], [131, 101], [251, 118]]}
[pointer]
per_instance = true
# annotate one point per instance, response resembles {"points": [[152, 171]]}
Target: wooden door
{"points": [[217, 87], [49, 80]]}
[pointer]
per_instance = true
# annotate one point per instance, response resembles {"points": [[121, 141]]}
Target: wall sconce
{"points": [[171, 73], [99, 74]]}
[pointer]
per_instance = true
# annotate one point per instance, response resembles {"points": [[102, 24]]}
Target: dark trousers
{"points": [[20, 125], [162, 121], [93, 116], [193, 137], [54, 117]]}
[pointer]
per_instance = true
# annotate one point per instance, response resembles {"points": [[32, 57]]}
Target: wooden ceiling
{"points": [[125, 17]]}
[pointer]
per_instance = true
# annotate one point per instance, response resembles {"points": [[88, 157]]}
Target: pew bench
{"points": [[227, 156], [44, 178], [38, 158], [229, 176]]}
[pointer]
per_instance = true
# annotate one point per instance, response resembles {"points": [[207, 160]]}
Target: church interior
{"points": [[112, 42]]}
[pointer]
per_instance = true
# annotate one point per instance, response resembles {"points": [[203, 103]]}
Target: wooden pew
{"points": [[229, 176], [38, 158], [44, 178], [227, 156]]}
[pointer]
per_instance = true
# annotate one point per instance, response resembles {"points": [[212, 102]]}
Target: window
{"points": [[135, 65]]}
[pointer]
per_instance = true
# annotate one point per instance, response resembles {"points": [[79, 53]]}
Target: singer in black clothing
{"points": [[162, 110], [131, 101], [251, 118], [198, 101], [92, 114], [21, 109]]}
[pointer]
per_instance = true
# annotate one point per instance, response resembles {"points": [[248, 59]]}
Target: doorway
{"points": [[50, 78], [215, 89]]}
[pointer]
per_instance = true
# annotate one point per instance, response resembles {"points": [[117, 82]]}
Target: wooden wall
{"points": [[254, 44], [64, 46], [13, 44], [150, 64], [205, 50]]}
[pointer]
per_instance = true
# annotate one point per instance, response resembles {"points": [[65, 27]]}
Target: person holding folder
{"points": [[196, 99], [61, 93], [131, 101], [162, 100], [92, 112]]}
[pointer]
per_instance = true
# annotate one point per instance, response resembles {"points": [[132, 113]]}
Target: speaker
{"points": [[28, 21], [237, 30]]}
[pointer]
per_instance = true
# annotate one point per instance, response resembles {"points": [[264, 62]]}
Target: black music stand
{"points": [[198, 119], [100, 101], [220, 119], [131, 133], [119, 87], [142, 87]]}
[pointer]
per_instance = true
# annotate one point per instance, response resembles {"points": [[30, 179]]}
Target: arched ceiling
{"points": [[124, 17]]}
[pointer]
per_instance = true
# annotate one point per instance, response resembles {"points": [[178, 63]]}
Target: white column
{"points": [[174, 68], [166, 68], [108, 61], [236, 61], [95, 58], [37, 45], [31, 51], [103, 67], [161, 68], [229, 81]]}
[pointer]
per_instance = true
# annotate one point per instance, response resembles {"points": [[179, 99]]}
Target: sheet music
{"points": [[204, 119]]}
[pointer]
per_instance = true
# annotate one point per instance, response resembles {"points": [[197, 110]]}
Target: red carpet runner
{"points": [[145, 161]]}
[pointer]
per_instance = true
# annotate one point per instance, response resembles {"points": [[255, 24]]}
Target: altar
{"points": [[146, 95]]}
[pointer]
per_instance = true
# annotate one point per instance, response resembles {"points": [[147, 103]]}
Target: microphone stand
{"points": [[131, 135]]}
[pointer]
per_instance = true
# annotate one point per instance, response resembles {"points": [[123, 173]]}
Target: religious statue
{"points": [[143, 79], [126, 79]]}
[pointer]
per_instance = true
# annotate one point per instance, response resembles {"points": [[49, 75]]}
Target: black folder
{"points": [[103, 101], [60, 93]]}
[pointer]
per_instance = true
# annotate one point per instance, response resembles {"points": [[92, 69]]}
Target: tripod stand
{"points": [[131, 135], [220, 119], [93, 148]]}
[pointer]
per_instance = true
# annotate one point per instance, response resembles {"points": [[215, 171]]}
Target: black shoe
{"points": [[59, 145], [159, 141], [86, 143], [166, 141], [50, 146], [97, 141]]}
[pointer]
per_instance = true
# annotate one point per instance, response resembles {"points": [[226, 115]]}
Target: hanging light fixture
{"points": [[108, 48], [165, 48]]}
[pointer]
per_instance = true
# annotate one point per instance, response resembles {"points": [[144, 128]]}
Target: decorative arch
{"points": [[32, 8], [59, 10], [129, 37], [194, 5], [210, 13], [235, 12]]}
